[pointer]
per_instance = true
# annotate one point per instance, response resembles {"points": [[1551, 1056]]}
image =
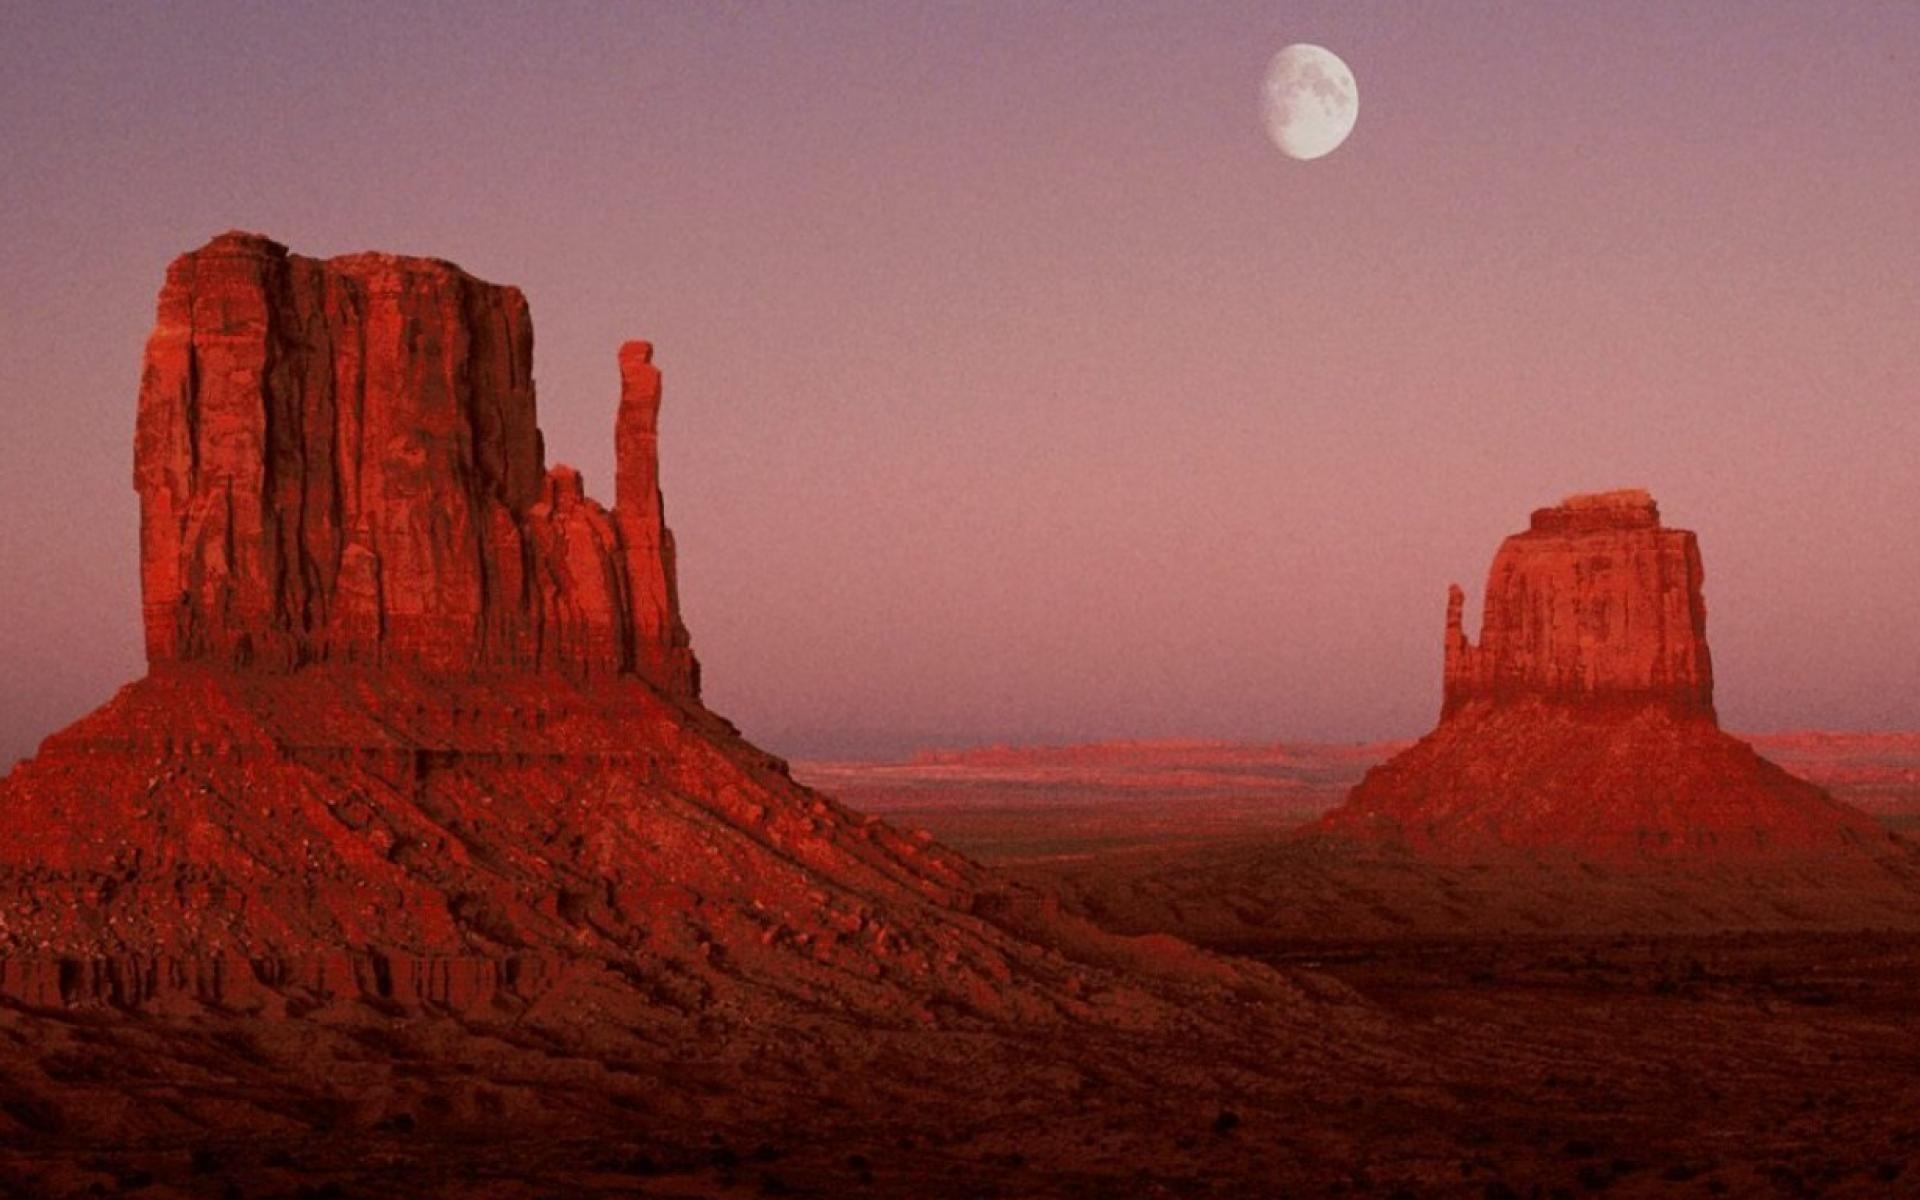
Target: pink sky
{"points": [[1016, 387]]}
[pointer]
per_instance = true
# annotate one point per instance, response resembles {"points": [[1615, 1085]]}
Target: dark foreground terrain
{"points": [[1404, 1060], [1372, 1027], [1590, 1031], [1775, 1065], [1742, 1065], [1391, 1030]]}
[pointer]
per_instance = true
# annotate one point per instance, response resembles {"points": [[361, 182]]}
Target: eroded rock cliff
{"points": [[1596, 600], [339, 461]]}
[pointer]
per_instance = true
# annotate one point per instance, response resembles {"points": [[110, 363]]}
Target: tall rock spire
{"points": [[661, 648]]}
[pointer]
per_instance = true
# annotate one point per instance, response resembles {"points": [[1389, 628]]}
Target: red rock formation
{"points": [[1595, 600], [339, 462], [661, 648], [1583, 719], [420, 724]]}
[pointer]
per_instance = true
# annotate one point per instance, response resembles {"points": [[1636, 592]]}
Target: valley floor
{"points": [[1448, 1042]]}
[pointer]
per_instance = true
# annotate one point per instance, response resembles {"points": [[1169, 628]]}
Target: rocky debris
{"points": [[339, 461], [1582, 722]]}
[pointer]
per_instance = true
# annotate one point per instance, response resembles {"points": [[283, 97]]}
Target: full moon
{"points": [[1311, 101]]}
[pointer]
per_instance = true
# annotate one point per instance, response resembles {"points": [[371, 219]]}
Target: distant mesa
{"points": [[1596, 601], [1582, 720]]}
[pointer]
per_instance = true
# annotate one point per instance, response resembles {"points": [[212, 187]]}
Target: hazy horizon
{"points": [[1017, 388]]}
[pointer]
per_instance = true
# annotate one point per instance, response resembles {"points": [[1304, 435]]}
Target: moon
{"points": [[1311, 101]]}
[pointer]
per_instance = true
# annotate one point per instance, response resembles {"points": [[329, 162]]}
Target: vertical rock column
{"points": [[662, 650]]}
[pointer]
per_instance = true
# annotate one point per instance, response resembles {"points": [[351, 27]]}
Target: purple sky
{"points": [[1017, 388]]}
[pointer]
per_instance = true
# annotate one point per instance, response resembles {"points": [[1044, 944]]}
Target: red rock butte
{"points": [[1582, 720], [422, 723], [339, 461], [1595, 601]]}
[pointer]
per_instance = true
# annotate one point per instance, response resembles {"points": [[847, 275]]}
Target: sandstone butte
{"points": [[1582, 721], [339, 462], [422, 726]]}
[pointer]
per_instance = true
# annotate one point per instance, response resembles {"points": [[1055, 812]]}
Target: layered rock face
{"points": [[1596, 600], [1582, 721], [339, 461]]}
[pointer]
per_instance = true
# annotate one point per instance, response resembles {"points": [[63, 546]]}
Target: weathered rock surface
{"points": [[1582, 721], [339, 461], [1596, 600]]}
